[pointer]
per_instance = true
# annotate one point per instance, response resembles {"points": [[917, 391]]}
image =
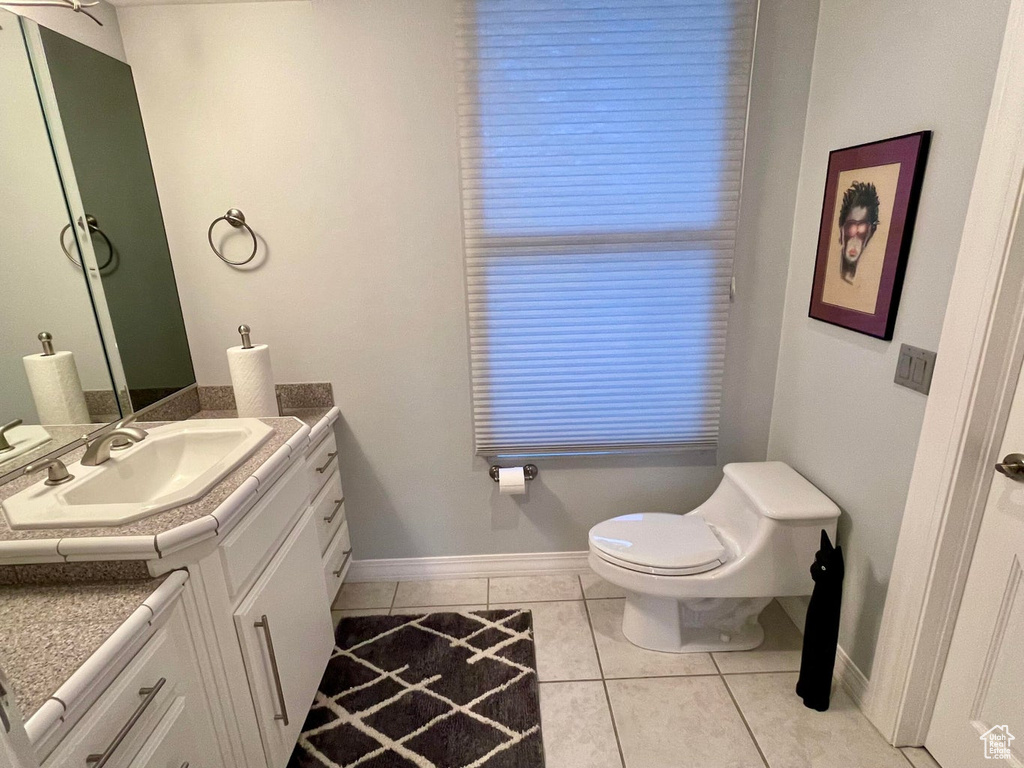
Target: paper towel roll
{"points": [[253, 381], [56, 388], [511, 481]]}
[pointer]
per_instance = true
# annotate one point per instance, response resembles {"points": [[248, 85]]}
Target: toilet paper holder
{"points": [[529, 471]]}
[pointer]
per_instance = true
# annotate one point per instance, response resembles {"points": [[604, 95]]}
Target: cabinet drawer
{"points": [[172, 743], [251, 542], [329, 511], [321, 462], [163, 675], [336, 561]]}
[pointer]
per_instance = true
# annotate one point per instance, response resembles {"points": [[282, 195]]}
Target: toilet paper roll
{"points": [[511, 481], [56, 388], [253, 381]]}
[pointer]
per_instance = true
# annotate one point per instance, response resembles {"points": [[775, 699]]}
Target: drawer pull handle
{"points": [[337, 505], [98, 761], [346, 553], [264, 624], [330, 457], [185, 764]]}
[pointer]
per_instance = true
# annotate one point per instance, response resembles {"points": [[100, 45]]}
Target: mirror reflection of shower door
{"points": [[39, 290], [102, 124]]}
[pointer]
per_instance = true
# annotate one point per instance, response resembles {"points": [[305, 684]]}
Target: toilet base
{"points": [[693, 625]]}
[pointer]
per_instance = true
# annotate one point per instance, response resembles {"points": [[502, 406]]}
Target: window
{"points": [[602, 151]]}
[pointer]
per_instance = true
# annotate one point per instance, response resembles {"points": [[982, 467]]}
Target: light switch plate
{"points": [[914, 368]]}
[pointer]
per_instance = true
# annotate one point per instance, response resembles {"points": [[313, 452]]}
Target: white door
{"points": [[286, 634], [979, 715]]}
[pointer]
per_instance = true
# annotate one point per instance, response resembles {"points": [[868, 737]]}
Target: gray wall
{"points": [[880, 69], [341, 150]]}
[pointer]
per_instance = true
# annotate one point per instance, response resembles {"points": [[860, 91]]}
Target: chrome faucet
{"points": [[99, 449], [122, 442]]}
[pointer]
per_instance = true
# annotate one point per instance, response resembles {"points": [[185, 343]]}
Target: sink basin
{"points": [[175, 465]]}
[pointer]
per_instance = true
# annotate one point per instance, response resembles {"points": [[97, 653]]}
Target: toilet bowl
{"points": [[699, 581]]}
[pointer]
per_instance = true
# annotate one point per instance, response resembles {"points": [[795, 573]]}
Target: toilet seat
{"points": [[658, 543]]}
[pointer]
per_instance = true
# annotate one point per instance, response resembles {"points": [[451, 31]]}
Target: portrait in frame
{"points": [[867, 222]]}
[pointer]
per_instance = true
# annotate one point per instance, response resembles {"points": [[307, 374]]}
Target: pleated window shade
{"points": [[601, 157]]}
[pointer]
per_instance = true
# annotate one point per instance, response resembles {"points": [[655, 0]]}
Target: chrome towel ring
{"points": [[236, 219], [94, 227]]}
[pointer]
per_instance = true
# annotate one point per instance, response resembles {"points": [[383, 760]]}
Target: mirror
{"points": [[102, 125], [77, 188], [40, 288]]}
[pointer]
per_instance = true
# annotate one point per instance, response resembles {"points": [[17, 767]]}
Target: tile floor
{"points": [[608, 704]]}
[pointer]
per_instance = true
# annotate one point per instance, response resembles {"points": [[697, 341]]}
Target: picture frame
{"points": [[867, 222]]}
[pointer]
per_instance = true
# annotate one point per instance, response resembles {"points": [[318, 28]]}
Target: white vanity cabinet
{"points": [[328, 509], [223, 675], [266, 584], [154, 713]]}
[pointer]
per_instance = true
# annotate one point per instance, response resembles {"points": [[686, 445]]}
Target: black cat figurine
{"points": [[821, 630]]}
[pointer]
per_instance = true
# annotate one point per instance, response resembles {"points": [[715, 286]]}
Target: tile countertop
{"points": [[138, 539], [309, 416], [50, 630]]}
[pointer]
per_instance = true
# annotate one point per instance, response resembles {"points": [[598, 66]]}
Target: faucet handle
{"points": [[56, 473], [4, 443]]}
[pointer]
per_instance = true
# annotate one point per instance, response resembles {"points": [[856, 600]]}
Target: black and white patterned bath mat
{"points": [[436, 690]]}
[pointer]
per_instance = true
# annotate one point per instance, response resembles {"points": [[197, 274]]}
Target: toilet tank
{"points": [[773, 518], [777, 491]]}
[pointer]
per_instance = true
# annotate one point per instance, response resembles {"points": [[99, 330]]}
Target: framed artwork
{"points": [[867, 221]]}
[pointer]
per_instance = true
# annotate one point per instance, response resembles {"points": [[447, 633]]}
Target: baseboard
{"points": [[849, 676], [467, 566]]}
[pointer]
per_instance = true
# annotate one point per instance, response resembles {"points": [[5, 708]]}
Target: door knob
{"points": [[1012, 466]]}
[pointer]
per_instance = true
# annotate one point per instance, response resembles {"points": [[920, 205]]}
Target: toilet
{"points": [[699, 581]]}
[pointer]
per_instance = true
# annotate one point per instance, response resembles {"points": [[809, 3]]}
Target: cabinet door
{"points": [[286, 635]]}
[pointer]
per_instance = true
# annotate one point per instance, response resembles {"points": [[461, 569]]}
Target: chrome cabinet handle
{"points": [[346, 553], [185, 764], [337, 505], [98, 761], [264, 624], [330, 457]]}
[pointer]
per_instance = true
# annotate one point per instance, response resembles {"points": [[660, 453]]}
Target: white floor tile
{"points": [[438, 609], [528, 589], [413, 594], [793, 736], [596, 587], [780, 651], [687, 722], [565, 646], [920, 757], [620, 658], [577, 726], [371, 594], [339, 615]]}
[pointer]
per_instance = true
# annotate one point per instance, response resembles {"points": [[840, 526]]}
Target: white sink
{"points": [[176, 464]]}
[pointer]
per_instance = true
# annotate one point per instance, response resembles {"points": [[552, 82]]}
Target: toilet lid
{"points": [[659, 541]]}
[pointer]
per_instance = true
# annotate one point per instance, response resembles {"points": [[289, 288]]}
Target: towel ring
{"points": [[236, 219], [93, 225]]}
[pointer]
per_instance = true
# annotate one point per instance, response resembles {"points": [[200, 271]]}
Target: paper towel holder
{"points": [[529, 471]]}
